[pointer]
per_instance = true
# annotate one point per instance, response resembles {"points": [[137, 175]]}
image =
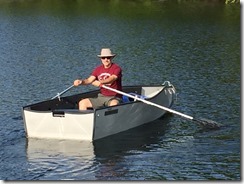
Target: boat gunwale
{"points": [[77, 111]]}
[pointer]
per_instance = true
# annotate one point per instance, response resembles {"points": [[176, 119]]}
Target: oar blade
{"points": [[208, 124]]}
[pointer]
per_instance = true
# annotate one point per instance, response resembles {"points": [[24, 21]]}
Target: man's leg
{"points": [[113, 102], [84, 104]]}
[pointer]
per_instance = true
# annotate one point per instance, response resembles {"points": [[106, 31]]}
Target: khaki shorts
{"points": [[102, 101]]}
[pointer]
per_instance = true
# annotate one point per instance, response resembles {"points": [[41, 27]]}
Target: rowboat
{"points": [[59, 118]]}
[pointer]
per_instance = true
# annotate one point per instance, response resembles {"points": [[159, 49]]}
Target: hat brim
{"points": [[113, 55]]}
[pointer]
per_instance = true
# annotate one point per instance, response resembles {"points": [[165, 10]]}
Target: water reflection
{"points": [[66, 159], [37, 147], [86, 160]]}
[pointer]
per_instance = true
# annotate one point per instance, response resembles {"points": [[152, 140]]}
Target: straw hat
{"points": [[106, 52]]}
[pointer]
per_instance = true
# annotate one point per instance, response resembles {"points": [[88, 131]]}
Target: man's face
{"points": [[106, 61]]}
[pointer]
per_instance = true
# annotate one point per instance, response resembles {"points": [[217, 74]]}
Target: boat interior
{"points": [[71, 102]]}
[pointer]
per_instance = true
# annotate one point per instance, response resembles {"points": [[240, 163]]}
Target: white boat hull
{"points": [[71, 126]]}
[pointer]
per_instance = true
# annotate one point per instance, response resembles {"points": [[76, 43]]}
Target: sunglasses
{"points": [[106, 57]]}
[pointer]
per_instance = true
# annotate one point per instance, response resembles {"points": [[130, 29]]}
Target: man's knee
{"points": [[84, 104], [113, 102]]}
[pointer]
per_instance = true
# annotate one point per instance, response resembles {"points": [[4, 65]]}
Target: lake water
{"points": [[46, 44]]}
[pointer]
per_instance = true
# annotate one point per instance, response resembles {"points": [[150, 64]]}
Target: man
{"points": [[108, 73]]}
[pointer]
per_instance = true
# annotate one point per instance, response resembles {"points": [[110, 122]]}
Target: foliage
{"points": [[231, 1]]}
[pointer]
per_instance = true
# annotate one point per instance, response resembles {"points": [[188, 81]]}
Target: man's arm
{"points": [[87, 81], [109, 80]]}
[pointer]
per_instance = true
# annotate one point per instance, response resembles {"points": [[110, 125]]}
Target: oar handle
{"points": [[64, 91], [148, 102]]}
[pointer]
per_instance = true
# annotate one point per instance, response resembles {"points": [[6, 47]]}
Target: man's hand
{"points": [[97, 83], [77, 82]]}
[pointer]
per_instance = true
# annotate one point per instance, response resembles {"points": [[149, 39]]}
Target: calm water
{"points": [[46, 44]]}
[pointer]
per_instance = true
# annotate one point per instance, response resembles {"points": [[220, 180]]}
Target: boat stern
{"points": [[59, 125]]}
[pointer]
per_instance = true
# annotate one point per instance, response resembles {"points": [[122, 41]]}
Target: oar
{"points": [[64, 91], [209, 124]]}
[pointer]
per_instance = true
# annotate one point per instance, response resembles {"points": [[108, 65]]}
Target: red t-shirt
{"points": [[102, 73]]}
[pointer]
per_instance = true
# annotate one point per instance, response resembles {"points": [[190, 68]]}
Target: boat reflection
{"points": [[60, 160], [37, 148], [98, 160]]}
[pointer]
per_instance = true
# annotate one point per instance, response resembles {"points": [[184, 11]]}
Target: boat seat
{"points": [[126, 99]]}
